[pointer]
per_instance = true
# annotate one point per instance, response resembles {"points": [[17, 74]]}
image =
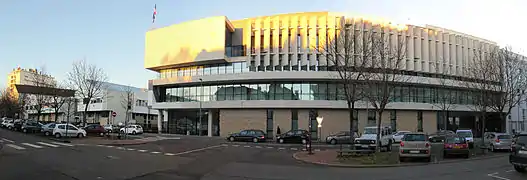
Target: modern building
{"points": [[218, 76], [32, 77], [114, 101]]}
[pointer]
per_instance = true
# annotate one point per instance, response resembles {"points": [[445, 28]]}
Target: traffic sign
{"points": [[114, 114]]}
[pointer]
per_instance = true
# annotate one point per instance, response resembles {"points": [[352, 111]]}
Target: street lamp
{"points": [[200, 104], [319, 121]]}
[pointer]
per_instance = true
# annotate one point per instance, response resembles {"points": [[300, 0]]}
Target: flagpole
{"points": [[154, 14]]}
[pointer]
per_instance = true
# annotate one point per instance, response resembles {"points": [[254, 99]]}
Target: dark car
{"points": [[248, 135], [294, 136], [30, 126], [440, 136], [456, 145], [518, 156], [95, 129], [17, 124]]}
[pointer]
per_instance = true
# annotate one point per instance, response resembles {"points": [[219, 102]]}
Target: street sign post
{"points": [[114, 114]]}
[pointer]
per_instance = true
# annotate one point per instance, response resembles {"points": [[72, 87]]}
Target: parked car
{"points": [[10, 125], [368, 139], [95, 129], [31, 127], [399, 135], [5, 122], [293, 136], [47, 129], [414, 145], [132, 129], [111, 128], [68, 130], [518, 156], [17, 125], [248, 135], [468, 135], [456, 145], [498, 141], [440, 136], [342, 137]]}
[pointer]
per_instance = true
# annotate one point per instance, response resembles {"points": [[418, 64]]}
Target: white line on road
{"points": [[155, 152], [130, 149], [235, 145], [281, 148], [317, 150], [294, 149], [512, 170], [304, 149], [62, 144], [8, 140], [100, 145], [258, 146], [142, 150], [31, 145], [269, 147], [169, 154], [120, 148], [47, 144], [15, 146], [224, 145], [495, 175], [196, 150], [247, 146]]}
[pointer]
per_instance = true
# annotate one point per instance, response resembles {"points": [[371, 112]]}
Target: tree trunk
{"points": [[445, 116], [56, 116], [483, 119], [351, 110], [379, 131], [84, 114]]}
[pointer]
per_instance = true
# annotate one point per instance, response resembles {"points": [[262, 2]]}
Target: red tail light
{"points": [[447, 146], [497, 140], [402, 144], [427, 145], [464, 146], [262, 137]]}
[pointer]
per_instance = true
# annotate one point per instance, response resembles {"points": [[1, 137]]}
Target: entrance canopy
{"points": [[27, 89]]}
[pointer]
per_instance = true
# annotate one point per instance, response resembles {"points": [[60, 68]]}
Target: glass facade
{"points": [[330, 91]]}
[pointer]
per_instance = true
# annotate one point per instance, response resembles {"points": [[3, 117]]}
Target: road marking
{"points": [[62, 144], [294, 149], [317, 149], [8, 140], [235, 145], [304, 149], [15, 146], [224, 145], [196, 150], [51, 145], [142, 150], [281, 148], [258, 146], [269, 147], [100, 145], [169, 154], [495, 175], [109, 146], [121, 148], [130, 149], [512, 170], [247, 146], [155, 152], [32, 145]]}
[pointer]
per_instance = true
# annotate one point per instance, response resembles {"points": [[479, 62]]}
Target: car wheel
{"points": [[255, 140], [231, 139], [80, 135], [520, 169], [122, 132], [57, 135], [101, 134], [24, 130], [401, 159], [47, 133], [134, 133], [304, 141], [109, 131], [333, 141], [281, 141]]}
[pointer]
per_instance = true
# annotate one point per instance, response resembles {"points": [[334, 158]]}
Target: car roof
{"points": [[464, 130], [416, 133]]}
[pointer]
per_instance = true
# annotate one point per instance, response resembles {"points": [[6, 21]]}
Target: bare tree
{"points": [[443, 99], [513, 82], [39, 78], [57, 99], [388, 58], [89, 81], [484, 68], [348, 53], [9, 105], [127, 100]]}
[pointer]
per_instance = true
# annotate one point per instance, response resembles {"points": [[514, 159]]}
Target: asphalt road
{"points": [[192, 158]]}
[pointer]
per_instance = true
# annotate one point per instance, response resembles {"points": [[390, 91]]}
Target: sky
{"points": [[52, 34]]}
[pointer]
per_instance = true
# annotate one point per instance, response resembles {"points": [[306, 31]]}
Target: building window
{"points": [[393, 120], [419, 121], [313, 114], [294, 119], [371, 117], [269, 132]]}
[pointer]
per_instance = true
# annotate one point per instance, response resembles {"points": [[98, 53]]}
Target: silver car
{"points": [[343, 137], [498, 141], [415, 145]]}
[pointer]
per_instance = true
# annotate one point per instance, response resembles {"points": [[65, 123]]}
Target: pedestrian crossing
{"points": [[33, 145]]}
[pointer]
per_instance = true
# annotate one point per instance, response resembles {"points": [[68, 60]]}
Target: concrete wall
{"points": [[235, 120]]}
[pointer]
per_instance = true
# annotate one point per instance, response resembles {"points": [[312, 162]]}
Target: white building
{"points": [[113, 100], [517, 119]]}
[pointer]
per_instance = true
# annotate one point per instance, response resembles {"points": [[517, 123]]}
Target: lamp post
{"points": [[319, 121], [200, 105]]}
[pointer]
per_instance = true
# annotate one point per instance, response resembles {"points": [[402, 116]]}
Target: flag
{"points": [[154, 14]]}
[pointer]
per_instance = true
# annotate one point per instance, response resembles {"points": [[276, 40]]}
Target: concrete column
{"points": [[209, 124], [159, 121], [165, 119]]}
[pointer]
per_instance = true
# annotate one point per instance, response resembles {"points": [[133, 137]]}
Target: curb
{"points": [[123, 144], [393, 165]]}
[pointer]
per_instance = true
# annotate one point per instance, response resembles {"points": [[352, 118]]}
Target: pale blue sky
{"points": [[110, 33]]}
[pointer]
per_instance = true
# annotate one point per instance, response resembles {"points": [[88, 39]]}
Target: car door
{"points": [[72, 131], [297, 137], [344, 137], [288, 136], [242, 136]]}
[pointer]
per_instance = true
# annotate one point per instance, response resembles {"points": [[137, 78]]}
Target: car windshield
{"points": [[455, 140], [504, 137], [465, 134], [370, 131], [402, 133], [414, 137]]}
